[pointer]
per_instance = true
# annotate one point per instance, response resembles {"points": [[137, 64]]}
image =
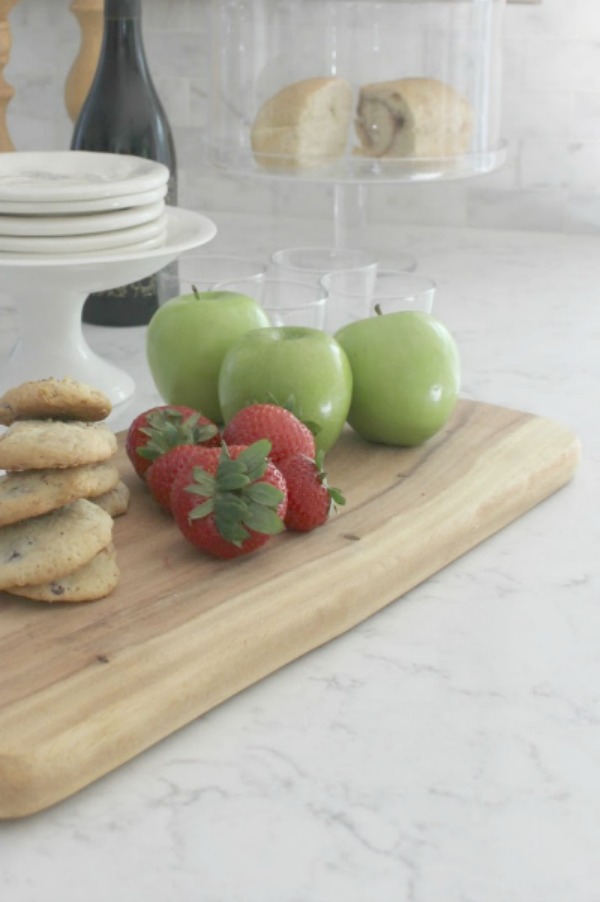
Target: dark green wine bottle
{"points": [[123, 114]]}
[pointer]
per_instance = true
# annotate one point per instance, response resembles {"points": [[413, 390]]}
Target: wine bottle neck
{"points": [[122, 9], [122, 42]]}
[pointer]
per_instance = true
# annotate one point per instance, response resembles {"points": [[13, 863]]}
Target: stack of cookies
{"points": [[59, 494]]}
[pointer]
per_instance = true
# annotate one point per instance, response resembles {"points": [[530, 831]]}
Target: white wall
{"points": [[551, 116]]}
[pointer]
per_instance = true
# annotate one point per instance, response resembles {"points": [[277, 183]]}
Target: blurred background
{"points": [[550, 114]]}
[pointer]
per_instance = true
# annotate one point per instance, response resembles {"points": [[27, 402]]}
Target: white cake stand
{"points": [[49, 293]]}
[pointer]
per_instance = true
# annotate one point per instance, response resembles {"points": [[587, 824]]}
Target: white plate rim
{"points": [[76, 174], [80, 223], [82, 243], [186, 229], [92, 205]]}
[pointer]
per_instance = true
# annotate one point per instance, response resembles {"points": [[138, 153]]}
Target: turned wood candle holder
{"points": [[89, 14], [6, 90]]}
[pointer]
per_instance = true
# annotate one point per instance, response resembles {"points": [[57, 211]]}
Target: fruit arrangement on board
{"points": [[237, 452], [229, 492]]}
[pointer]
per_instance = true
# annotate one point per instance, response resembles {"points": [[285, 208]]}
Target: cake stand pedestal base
{"points": [[55, 345], [49, 294]]}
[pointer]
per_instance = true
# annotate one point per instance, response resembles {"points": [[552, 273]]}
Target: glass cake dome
{"points": [[356, 90]]}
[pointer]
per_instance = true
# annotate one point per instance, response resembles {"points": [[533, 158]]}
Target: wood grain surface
{"points": [[85, 687]]}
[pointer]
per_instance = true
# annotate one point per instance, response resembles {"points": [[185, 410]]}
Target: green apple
{"points": [[186, 341], [406, 371], [294, 366]]}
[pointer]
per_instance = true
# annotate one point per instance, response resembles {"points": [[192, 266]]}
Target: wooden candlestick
{"points": [[6, 91], [89, 14]]}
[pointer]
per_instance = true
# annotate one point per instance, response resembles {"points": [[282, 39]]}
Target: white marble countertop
{"points": [[446, 750]]}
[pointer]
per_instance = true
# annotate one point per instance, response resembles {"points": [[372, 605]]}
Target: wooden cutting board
{"points": [[84, 688]]}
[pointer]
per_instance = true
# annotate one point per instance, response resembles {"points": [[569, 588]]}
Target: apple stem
{"points": [[196, 292], [378, 310]]}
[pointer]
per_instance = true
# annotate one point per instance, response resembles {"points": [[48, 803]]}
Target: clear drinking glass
{"points": [[310, 264], [395, 291], [286, 302], [351, 297], [207, 270]]}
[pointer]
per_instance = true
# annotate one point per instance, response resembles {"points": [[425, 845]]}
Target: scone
{"points": [[62, 399], [305, 124], [413, 117]]}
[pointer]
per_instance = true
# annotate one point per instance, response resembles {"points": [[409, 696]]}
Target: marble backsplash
{"points": [[550, 116]]}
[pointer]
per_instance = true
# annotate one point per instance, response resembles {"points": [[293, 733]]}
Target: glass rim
{"points": [[424, 282], [270, 279], [369, 260], [295, 308]]}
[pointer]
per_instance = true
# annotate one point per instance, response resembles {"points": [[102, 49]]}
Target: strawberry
{"points": [[232, 502], [287, 434], [310, 498], [161, 428], [162, 472]]}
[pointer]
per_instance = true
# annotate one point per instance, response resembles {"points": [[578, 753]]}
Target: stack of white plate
{"points": [[67, 203]]}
